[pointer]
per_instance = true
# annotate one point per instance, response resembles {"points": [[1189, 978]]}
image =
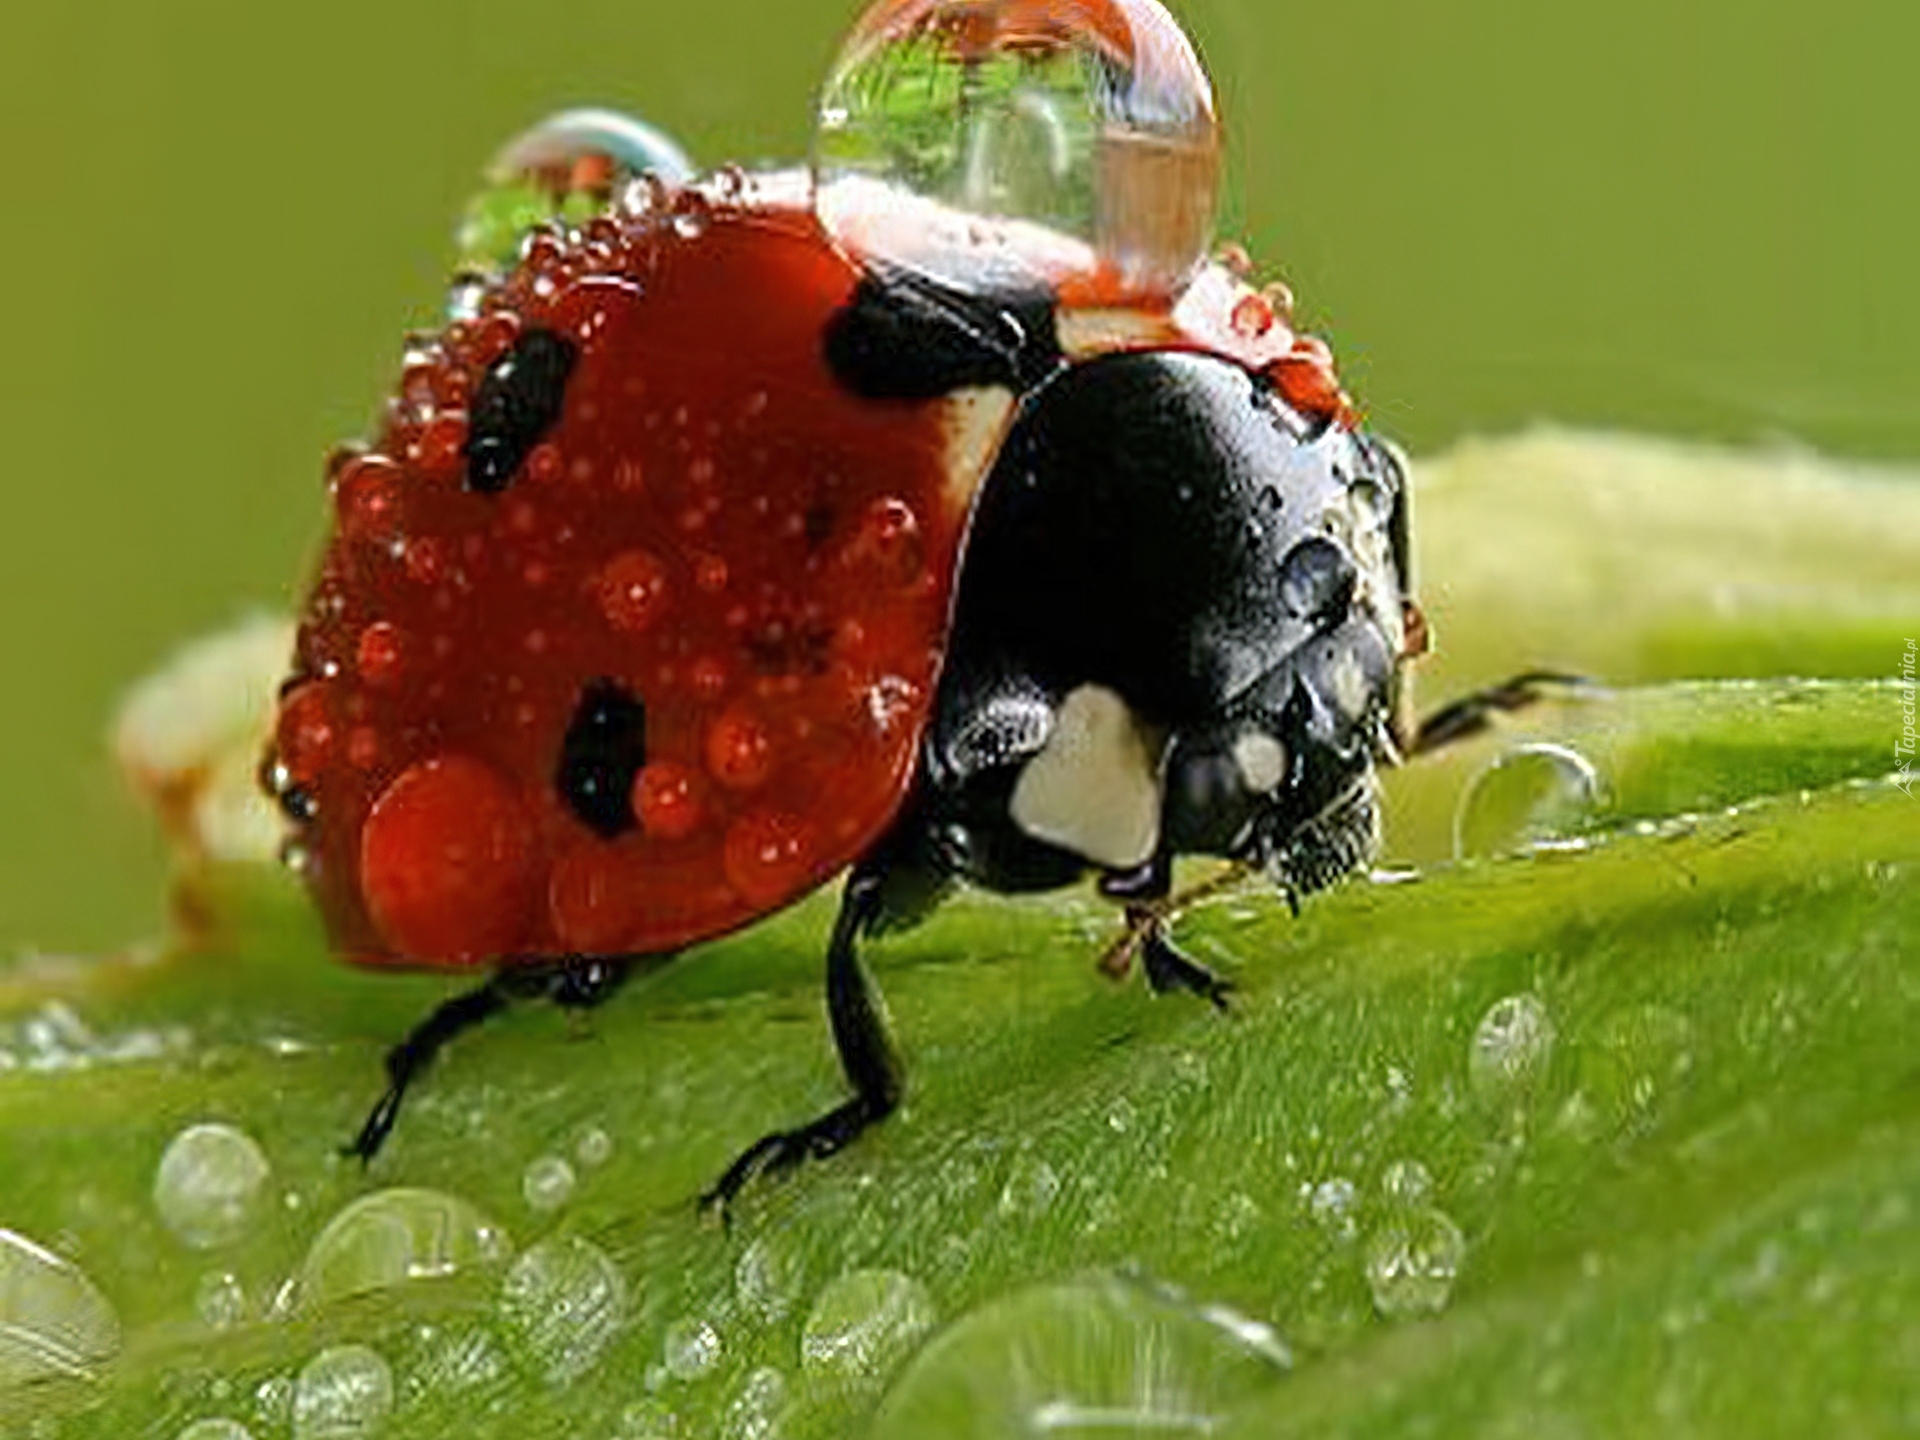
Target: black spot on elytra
{"points": [[906, 336], [516, 403], [818, 525], [604, 748]]}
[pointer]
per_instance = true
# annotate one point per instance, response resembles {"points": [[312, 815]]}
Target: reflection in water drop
{"points": [[1526, 795], [393, 1236], [209, 1185], [53, 1321], [344, 1393], [1412, 1261], [564, 1301], [863, 1324], [961, 135], [1511, 1049], [1096, 1356]]}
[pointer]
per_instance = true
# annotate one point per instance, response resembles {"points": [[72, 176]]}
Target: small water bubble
{"points": [[1406, 1182], [1096, 1356], [1527, 794], [209, 1185], [273, 1401], [1412, 1262], [594, 1147], [564, 1301], [691, 1349], [1511, 1048], [393, 1236], [1120, 1116], [1637, 1059], [754, 1413], [215, 1428], [863, 1324], [344, 1393], [1332, 1204], [1030, 1188], [768, 1279], [547, 1183], [219, 1300], [53, 1320]]}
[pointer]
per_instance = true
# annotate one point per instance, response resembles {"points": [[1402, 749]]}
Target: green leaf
{"points": [[1610, 1128]]}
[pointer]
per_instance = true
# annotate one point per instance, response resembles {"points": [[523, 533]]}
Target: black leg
{"points": [[578, 983], [1473, 714], [1168, 969], [859, 1034]]}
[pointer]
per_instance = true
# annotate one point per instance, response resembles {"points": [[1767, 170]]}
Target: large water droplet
{"points": [[1073, 137], [568, 167], [863, 1324], [691, 1348], [564, 1301], [1511, 1049], [1099, 1356], [393, 1236], [215, 1428], [345, 1393], [1412, 1261], [1524, 796], [209, 1185], [53, 1321]]}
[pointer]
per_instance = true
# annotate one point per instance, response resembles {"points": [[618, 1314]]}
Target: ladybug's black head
{"points": [[1191, 598]]}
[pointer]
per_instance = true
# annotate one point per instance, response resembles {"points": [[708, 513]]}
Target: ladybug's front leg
{"points": [[1151, 906], [577, 983], [860, 1035]]}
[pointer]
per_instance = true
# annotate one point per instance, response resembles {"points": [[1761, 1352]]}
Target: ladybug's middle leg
{"points": [[1472, 714], [576, 983], [1150, 902]]}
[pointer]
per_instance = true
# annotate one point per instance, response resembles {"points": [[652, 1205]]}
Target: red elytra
{"points": [[714, 524]]}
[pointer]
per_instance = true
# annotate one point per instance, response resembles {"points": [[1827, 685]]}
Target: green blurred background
{"points": [[1693, 219]]}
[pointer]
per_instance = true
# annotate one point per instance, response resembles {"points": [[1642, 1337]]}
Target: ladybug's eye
{"points": [[1081, 132]]}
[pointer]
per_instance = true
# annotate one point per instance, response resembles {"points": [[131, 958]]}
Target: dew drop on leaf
{"points": [[209, 1185], [691, 1349], [1527, 794], [754, 1412], [563, 1301], [863, 1324], [1412, 1261], [392, 1236], [53, 1320], [1095, 1356], [344, 1393], [1511, 1048], [547, 1183]]}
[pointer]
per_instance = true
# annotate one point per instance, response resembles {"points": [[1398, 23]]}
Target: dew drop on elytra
{"points": [[1076, 137]]}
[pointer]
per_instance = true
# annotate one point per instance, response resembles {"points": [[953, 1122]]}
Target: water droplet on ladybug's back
{"points": [[1068, 136]]}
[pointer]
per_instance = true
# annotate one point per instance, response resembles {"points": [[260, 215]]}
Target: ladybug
{"points": [[940, 514]]}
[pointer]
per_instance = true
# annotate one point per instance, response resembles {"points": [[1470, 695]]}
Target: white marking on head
{"points": [[1261, 760], [1349, 680], [1095, 787]]}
